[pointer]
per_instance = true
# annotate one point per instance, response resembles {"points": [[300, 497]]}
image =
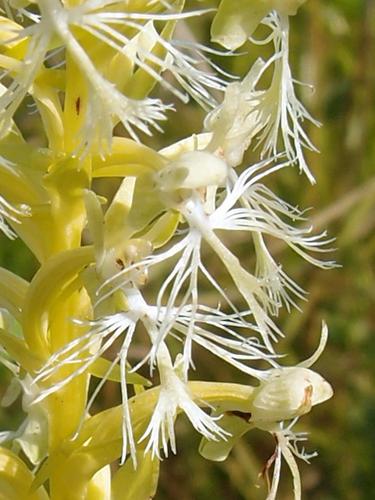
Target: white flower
{"points": [[83, 352], [223, 335], [174, 395], [278, 286], [284, 395], [280, 108], [288, 393], [263, 212], [245, 205], [236, 121], [287, 448], [185, 67], [212, 329], [249, 113], [105, 100], [152, 53]]}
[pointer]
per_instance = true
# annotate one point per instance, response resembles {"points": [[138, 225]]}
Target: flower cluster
{"points": [[89, 66]]}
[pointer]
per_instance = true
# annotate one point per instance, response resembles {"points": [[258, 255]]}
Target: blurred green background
{"points": [[332, 47]]}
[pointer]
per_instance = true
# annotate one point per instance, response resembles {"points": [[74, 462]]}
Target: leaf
{"points": [[100, 369], [237, 424], [162, 230], [127, 157], [18, 350], [100, 485], [139, 484], [13, 291], [16, 479], [46, 287], [47, 99], [146, 205]]}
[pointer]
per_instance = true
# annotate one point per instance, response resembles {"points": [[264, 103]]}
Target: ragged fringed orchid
{"points": [[123, 277]]}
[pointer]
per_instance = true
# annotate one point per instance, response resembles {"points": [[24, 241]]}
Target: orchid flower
{"points": [[118, 294]]}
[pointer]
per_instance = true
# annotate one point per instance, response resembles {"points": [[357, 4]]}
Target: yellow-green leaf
{"points": [[236, 424], [45, 288], [16, 479], [139, 484], [13, 291], [103, 368], [163, 229]]}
